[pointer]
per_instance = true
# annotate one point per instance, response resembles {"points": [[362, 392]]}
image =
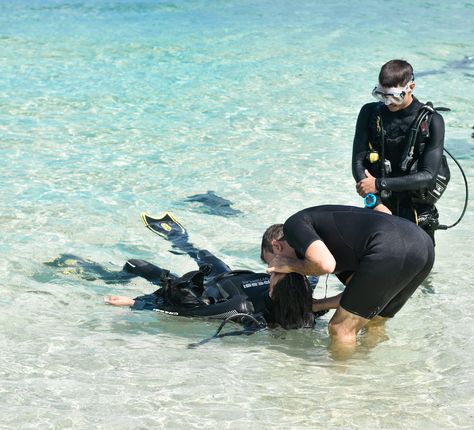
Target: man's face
{"points": [[279, 247], [267, 256], [274, 276], [393, 107], [395, 98], [282, 249]]}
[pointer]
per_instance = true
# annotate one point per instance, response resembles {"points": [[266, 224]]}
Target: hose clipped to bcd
{"points": [[255, 324]]}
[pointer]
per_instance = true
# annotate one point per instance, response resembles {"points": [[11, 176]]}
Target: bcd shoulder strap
{"points": [[420, 127], [418, 133], [433, 193]]}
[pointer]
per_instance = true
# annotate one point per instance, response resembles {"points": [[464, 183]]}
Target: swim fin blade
{"points": [[167, 226]]}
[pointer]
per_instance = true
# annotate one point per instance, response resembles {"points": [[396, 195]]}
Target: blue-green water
{"points": [[109, 108]]}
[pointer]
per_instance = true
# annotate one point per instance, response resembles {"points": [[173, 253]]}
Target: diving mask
{"points": [[392, 95]]}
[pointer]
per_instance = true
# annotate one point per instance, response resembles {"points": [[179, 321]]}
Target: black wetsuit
{"points": [[399, 183], [388, 256], [220, 284]]}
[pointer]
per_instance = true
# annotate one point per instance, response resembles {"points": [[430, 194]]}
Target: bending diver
{"points": [[216, 291]]}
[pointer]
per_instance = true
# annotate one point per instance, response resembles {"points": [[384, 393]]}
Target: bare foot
{"points": [[342, 349], [374, 332]]}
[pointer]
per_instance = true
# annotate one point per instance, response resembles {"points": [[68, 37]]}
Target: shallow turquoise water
{"points": [[111, 108]]}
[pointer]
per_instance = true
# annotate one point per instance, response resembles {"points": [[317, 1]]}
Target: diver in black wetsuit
{"points": [[192, 294], [380, 258], [408, 179], [214, 291]]}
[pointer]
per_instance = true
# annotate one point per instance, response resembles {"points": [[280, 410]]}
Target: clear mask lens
{"points": [[393, 95]]}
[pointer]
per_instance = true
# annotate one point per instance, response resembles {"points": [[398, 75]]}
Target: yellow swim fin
{"points": [[166, 226]]}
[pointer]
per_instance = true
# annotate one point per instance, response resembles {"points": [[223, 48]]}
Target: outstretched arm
{"points": [[119, 301]]}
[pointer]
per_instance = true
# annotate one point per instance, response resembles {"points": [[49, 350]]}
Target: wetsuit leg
{"points": [[400, 299], [218, 266], [394, 265], [147, 270]]}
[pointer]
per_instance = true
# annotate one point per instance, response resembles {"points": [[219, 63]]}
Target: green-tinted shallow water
{"points": [[111, 108]]}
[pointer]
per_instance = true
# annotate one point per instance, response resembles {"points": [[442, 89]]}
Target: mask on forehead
{"points": [[392, 95]]}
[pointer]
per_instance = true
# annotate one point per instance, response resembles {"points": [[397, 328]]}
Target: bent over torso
{"points": [[350, 233]]}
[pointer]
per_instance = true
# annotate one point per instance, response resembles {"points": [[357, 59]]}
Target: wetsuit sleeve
{"points": [[361, 142], [299, 232], [146, 302], [428, 164]]}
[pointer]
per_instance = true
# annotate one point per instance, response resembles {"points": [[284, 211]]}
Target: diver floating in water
{"points": [[216, 291]]}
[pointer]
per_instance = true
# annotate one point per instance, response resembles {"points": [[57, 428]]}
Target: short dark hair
{"points": [[274, 232], [292, 299], [395, 72]]}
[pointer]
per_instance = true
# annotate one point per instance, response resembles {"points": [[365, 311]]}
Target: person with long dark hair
{"points": [[292, 301], [216, 291], [284, 300]]}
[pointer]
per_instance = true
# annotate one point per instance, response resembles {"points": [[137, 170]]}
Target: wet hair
{"points": [[395, 73], [292, 299], [274, 232]]}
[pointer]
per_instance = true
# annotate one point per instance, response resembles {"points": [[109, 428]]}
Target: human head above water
{"points": [[274, 243], [396, 85], [396, 73], [274, 232], [292, 299], [291, 293]]}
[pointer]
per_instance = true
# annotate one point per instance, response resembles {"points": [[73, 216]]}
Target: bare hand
{"points": [[119, 301], [382, 208], [367, 185], [280, 264]]}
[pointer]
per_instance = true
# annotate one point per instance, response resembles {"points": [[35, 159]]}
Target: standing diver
{"points": [[216, 291], [398, 150]]}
